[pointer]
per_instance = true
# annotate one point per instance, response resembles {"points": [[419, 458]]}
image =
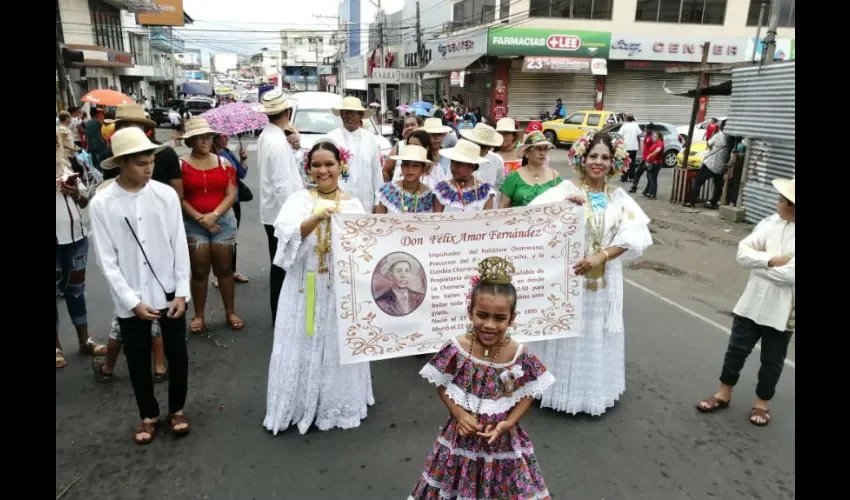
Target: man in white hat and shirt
{"points": [[279, 160], [142, 251], [766, 309], [365, 171], [492, 171]]}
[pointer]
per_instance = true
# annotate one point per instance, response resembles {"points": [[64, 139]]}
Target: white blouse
{"points": [[72, 222]]}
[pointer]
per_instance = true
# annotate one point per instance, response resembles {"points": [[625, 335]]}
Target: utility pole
{"points": [[383, 59], [173, 67], [769, 50], [61, 75], [420, 54], [694, 111], [762, 11]]}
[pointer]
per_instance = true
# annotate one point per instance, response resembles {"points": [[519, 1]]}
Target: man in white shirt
{"points": [[279, 159], [766, 309], [142, 251], [630, 132], [365, 174], [493, 170]]}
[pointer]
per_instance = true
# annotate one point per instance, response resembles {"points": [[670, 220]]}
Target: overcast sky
{"points": [[246, 26]]}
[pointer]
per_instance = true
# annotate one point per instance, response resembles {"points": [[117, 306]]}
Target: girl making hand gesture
{"points": [[487, 381]]}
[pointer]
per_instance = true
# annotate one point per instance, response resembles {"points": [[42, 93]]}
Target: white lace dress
{"points": [[590, 372], [306, 382]]}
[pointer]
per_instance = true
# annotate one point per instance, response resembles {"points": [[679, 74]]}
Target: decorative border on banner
{"points": [[359, 236]]}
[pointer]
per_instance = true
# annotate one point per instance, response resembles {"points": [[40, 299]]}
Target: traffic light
{"points": [[71, 57]]}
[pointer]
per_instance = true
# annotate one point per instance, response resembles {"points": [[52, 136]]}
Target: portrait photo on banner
{"points": [[402, 280]]}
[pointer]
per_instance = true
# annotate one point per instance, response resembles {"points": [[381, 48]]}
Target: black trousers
{"points": [[774, 346], [703, 175], [276, 274], [237, 211], [638, 174], [630, 173], [137, 349]]}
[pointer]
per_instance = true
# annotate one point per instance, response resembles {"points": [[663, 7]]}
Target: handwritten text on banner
{"points": [[401, 280]]}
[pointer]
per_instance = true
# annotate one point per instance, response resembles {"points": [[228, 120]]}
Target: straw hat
{"points": [[464, 152], [483, 134], [274, 102], [535, 139], [133, 113], [786, 188], [129, 141], [352, 104], [506, 125], [196, 126], [435, 126], [412, 152]]}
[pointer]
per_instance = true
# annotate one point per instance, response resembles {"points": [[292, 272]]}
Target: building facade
{"points": [[350, 22]]}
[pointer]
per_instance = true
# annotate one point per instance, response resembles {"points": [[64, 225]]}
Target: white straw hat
{"points": [[506, 125], [274, 102], [352, 104], [412, 152], [435, 126], [128, 141], [483, 134], [464, 152], [131, 112], [786, 188], [197, 126]]}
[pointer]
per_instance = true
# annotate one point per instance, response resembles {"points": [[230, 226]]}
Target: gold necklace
{"points": [[595, 277], [323, 235]]}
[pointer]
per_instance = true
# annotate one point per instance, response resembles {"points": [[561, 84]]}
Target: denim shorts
{"points": [[115, 330], [202, 235]]}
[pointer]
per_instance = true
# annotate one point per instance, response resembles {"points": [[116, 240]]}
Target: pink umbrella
{"points": [[235, 118]]}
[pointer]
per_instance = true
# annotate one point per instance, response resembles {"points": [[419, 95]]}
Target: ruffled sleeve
{"points": [[533, 378], [387, 195], [287, 228], [633, 233], [443, 367]]}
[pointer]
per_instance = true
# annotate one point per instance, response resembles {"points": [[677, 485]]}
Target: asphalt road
{"points": [[653, 445]]}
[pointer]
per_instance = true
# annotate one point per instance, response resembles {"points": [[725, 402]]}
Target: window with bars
{"points": [[572, 9], [682, 11], [787, 13], [475, 12], [106, 25]]}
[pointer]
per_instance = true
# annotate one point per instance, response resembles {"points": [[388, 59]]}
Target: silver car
{"points": [[672, 144]]}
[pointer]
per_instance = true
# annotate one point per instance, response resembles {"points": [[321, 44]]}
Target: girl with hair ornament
{"points": [[487, 381], [591, 368]]}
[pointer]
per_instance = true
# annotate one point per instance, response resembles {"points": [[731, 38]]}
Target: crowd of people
{"points": [[157, 243]]}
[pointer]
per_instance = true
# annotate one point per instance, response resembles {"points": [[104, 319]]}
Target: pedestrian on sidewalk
{"points": [[279, 160], [653, 164], [72, 247], [241, 165], [142, 251], [765, 311], [630, 132], [648, 141], [713, 166]]}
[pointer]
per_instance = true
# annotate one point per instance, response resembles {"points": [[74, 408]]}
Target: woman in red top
{"points": [[209, 191], [648, 141], [653, 165]]}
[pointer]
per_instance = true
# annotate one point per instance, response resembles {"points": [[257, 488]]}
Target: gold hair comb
{"points": [[496, 270]]}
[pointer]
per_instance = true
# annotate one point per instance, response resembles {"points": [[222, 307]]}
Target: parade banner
{"points": [[401, 281]]}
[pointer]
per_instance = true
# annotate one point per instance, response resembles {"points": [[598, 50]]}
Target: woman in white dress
{"points": [[307, 384], [590, 369], [464, 192]]}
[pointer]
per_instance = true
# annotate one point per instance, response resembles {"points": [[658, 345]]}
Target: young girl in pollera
{"points": [[487, 381]]}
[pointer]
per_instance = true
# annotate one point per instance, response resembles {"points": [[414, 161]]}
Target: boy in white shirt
{"points": [[766, 309], [143, 254]]}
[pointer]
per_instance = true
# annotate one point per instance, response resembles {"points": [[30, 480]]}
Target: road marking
{"points": [[724, 329]]}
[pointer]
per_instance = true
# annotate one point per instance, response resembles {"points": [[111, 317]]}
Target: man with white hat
{"points": [[766, 310], [365, 175], [491, 172], [142, 251], [279, 158]]}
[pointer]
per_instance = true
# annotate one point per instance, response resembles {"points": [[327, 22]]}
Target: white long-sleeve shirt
{"points": [[365, 174], [630, 132], [493, 173], [768, 298], [72, 222], [280, 176], [155, 215]]}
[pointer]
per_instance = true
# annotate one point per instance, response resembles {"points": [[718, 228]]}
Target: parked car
{"points": [[698, 151], [313, 118], [699, 130], [570, 129], [160, 114], [672, 144]]}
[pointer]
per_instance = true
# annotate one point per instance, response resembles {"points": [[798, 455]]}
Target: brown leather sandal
{"points": [[174, 421], [150, 428], [712, 404], [761, 413]]}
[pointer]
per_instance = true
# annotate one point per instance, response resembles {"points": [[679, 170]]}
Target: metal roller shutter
{"points": [[530, 94], [476, 91], [767, 161], [642, 94], [718, 105]]}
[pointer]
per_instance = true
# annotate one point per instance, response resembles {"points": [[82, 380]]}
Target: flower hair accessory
{"points": [[619, 155], [345, 157]]}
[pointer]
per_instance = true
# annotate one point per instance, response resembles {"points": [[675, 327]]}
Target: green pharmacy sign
{"points": [[548, 42]]}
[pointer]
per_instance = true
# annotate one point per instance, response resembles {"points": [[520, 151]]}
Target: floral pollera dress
{"points": [[466, 467]]}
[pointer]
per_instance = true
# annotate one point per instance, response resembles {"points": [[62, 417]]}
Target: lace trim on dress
{"points": [[454, 495], [487, 457]]}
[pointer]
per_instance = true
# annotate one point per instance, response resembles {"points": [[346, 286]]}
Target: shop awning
{"points": [[724, 88], [453, 64]]}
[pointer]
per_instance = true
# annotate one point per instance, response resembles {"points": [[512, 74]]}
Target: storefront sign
{"points": [[677, 48], [120, 58], [583, 65], [431, 257], [548, 42], [392, 76], [457, 46]]}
